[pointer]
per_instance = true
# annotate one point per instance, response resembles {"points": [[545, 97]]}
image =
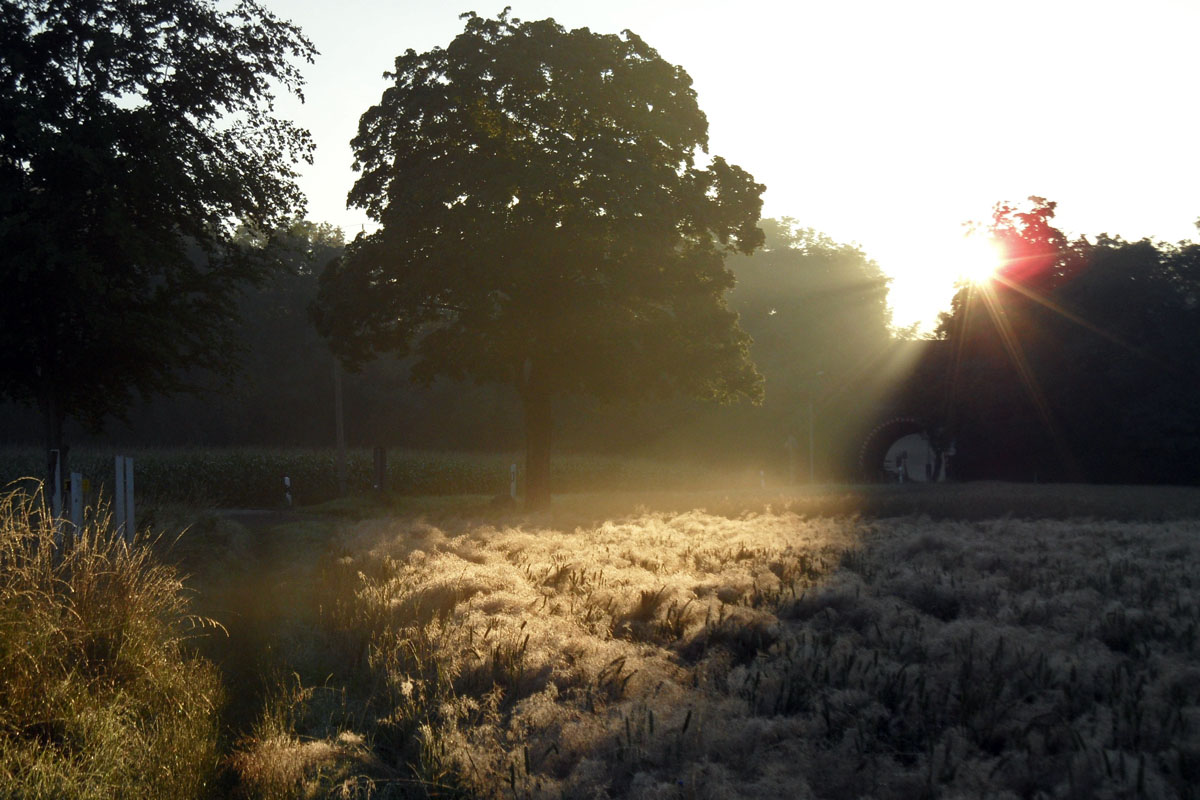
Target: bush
{"points": [[99, 696]]}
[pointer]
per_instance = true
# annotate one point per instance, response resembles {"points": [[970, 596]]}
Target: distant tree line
{"points": [[1078, 362], [815, 309]]}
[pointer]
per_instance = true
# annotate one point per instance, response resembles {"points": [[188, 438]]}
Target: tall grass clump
{"points": [[99, 695]]}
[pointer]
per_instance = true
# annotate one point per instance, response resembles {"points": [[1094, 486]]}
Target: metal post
{"points": [[791, 445], [512, 481]]}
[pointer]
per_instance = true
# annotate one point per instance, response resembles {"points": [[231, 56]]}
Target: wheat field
{"points": [[738, 649]]}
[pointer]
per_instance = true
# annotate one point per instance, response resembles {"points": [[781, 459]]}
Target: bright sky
{"points": [[878, 122]]}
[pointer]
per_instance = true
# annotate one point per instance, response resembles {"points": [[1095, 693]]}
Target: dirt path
{"points": [[260, 591]]}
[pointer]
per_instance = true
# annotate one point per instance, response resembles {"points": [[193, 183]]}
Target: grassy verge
{"points": [[99, 695]]}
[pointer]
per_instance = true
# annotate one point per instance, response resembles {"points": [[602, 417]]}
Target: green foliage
{"points": [[134, 137], [100, 697], [539, 199], [829, 317], [810, 303]]}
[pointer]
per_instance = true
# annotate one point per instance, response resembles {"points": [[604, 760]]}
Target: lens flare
{"points": [[978, 259]]}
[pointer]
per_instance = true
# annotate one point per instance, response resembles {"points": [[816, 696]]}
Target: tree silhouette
{"points": [[134, 138], [1078, 360], [543, 223]]}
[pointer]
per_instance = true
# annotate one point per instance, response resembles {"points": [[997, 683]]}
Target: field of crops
{"points": [[741, 650], [253, 477]]}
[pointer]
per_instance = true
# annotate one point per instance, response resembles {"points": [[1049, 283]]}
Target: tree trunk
{"points": [[539, 427]]}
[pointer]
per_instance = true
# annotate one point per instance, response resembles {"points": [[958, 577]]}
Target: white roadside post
{"points": [[123, 498], [119, 495], [287, 490]]}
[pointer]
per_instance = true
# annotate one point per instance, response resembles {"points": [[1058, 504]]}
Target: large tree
{"points": [[543, 222], [135, 136]]}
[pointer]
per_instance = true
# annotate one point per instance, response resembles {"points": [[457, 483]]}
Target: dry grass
{"points": [[733, 653], [98, 695]]}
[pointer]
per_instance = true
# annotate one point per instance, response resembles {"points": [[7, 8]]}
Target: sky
{"points": [[887, 124]]}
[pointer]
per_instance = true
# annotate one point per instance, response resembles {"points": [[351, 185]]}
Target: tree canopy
{"points": [[135, 137], [543, 222]]}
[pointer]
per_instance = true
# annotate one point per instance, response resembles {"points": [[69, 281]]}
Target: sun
{"points": [[926, 272], [976, 259]]}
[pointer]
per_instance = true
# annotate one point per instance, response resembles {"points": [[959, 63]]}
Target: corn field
{"points": [[253, 477]]}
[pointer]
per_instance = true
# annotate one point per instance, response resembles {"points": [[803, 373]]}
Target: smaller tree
{"points": [[543, 223], [135, 137]]}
